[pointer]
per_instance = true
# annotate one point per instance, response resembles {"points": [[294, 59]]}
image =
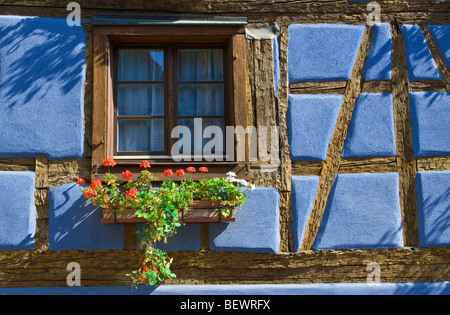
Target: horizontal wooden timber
{"points": [[20, 165], [427, 86], [109, 267], [285, 12], [434, 163], [382, 86], [347, 166]]}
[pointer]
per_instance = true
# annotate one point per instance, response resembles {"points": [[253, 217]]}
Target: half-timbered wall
{"points": [[364, 146]]}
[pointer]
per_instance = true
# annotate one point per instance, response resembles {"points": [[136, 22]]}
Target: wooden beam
{"points": [[434, 163], [334, 154], [110, 267], [406, 162]]}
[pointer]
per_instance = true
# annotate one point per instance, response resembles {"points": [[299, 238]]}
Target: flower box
{"points": [[200, 211]]}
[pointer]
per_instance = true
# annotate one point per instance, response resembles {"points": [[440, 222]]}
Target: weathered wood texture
{"points": [[404, 142], [286, 12], [435, 163], [109, 267], [332, 162]]}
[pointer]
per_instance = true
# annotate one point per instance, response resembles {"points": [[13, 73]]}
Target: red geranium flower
{"points": [[155, 270], [80, 181], [145, 269], [96, 183], [191, 169], [145, 164], [127, 175], [132, 193], [89, 193], [203, 169], [109, 162], [168, 172], [179, 172]]}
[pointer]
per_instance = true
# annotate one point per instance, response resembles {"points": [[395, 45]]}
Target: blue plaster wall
{"points": [[223, 292], [433, 199], [187, 237], [75, 224], [311, 122], [441, 35], [17, 210], [304, 190], [256, 228], [378, 63], [371, 132], [431, 123], [363, 211], [42, 75], [421, 65], [322, 52]]}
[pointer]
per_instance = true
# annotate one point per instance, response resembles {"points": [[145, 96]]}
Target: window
{"points": [[148, 80], [151, 101]]}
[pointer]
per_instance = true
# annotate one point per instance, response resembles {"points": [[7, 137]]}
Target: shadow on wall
{"points": [[75, 224], [49, 52], [433, 192]]}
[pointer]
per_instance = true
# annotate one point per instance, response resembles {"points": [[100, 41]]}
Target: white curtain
{"points": [[141, 93], [141, 99], [205, 98]]}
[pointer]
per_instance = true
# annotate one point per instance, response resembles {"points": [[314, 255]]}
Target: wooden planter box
{"points": [[199, 211]]}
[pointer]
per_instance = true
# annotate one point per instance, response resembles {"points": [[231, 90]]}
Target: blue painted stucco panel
{"points": [[304, 190], [421, 65], [441, 35], [256, 228], [311, 122], [187, 237], [371, 132], [17, 210], [433, 200], [42, 75], [431, 123], [76, 224], [363, 211], [322, 52], [378, 64]]}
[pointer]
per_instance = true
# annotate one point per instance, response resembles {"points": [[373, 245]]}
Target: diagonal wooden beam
{"points": [[334, 155]]}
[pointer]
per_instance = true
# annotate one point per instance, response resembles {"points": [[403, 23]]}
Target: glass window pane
{"points": [[141, 65], [200, 99], [205, 122], [141, 99], [141, 135], [200, 65]]}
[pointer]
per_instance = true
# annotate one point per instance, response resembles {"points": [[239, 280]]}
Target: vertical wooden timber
{"points": [[286, 215], [100, 100], [334, 154], [42, 205], [406, 163]]}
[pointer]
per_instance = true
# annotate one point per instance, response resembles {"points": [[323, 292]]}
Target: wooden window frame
{"points": [[107, 38]]}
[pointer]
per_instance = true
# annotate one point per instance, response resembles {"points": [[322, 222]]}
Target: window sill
{"points": [[215, 169]]}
